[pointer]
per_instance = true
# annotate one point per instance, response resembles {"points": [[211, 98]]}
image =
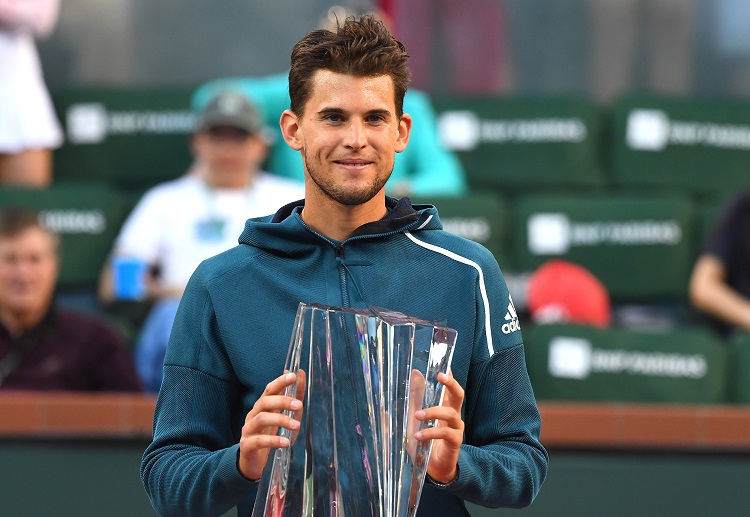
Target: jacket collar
{"points": [[286, 230]]}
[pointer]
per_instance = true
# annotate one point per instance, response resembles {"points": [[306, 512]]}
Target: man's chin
{"points": [[355, 196], [24, 304]]}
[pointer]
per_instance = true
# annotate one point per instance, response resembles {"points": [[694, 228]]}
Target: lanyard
{"points": [[211, 203]]}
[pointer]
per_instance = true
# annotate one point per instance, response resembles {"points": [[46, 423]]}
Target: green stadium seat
{"points": [[480, 217], [524, 143], [132, 138], [87, 217], [698, 145], [739, 369], [577, 363], [640, 247]]}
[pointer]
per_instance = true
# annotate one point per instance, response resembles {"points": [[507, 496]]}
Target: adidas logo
{"points": [[511, 317]]}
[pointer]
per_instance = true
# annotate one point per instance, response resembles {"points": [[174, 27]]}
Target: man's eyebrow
{"points": [[380, 112], [339, 111], [331, 111]]}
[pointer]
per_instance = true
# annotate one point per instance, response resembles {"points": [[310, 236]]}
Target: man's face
{"points": [[348, 136], [228, 154], [28, 271]]}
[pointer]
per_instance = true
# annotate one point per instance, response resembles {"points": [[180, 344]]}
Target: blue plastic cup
{"points": [[128, 278]]}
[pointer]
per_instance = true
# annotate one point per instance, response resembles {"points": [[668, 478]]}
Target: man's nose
{"points": [[356, 136]]}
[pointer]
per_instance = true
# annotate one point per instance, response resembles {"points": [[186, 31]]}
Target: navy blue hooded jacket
{"points": [[232, 332]]}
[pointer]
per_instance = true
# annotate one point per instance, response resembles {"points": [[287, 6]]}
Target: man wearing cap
{"points": [[179, 223]]}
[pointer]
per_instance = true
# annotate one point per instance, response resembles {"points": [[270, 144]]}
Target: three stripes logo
{"points": [[511, 318]]}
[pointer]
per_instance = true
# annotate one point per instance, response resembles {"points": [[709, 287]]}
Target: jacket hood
{"points": [[285, 232]]}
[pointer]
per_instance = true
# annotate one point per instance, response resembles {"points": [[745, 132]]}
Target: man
{"points": [[43, 347], [424, 168], [348, 245], [720, 282], [179, 223]]}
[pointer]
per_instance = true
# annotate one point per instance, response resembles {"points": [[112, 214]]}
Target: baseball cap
{"points": [[563, 292], [230, 109]]}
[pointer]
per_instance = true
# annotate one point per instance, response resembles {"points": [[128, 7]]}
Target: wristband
{"points": [[438, 484], [240, 472]]}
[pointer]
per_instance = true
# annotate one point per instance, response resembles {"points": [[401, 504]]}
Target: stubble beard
{"points": [[342, 195]]}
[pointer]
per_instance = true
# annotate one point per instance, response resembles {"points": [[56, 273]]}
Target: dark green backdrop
{"points": [[100, 479]]}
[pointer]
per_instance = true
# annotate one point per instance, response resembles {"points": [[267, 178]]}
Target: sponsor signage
{"points": [[523, 142], [465, 130], [577, 362], [74, 221], [92, 123], [578, 358], [654, 130], [695, 145], [556, 233]]}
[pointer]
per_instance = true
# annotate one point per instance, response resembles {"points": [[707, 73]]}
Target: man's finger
{"points": [[280, 383]]}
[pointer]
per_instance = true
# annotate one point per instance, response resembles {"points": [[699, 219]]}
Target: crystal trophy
{"points": [[366, 373]]}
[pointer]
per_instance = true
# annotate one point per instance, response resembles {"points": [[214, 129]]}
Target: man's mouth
{"points": [[353, 164]]}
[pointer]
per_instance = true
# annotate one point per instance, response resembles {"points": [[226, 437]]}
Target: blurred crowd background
{"points": [[592, 222], [596, 48], [598, 140]]}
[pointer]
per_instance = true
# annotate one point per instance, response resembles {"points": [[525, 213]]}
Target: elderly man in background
{"points": [[42, 346]]}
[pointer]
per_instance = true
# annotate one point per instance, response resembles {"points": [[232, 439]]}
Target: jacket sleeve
{"points": [[502, 462], [190, 468]]}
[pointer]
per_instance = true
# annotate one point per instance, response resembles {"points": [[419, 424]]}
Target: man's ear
{"points": [[194, 144], [404, 131], [290, 130]]}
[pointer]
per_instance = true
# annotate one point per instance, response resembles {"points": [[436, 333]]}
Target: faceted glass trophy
{"points": [[366, 373]]}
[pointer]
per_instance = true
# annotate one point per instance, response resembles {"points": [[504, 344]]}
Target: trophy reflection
{"points": [[367, 373]]}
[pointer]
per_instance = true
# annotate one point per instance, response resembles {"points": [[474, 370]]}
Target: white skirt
{"points": [[27, 115]]}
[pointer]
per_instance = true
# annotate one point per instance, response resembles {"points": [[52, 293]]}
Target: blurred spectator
{"points": [[563, 292], [425, 168], [42, 346], [179, 223], [470, 56], [720, 282], [29, 129]]}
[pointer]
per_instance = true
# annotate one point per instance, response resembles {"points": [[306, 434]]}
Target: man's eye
{"points": [[335, 118], [374, 119]]}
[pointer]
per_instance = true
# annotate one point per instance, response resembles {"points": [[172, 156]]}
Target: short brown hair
{"points": [[15, 220], [361, 47]]}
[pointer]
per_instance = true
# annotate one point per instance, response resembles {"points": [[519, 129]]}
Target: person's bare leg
{"points": [[30, 168]]}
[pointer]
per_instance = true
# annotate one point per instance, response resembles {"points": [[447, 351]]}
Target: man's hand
{"points": [[448, 433], [260, 432]]}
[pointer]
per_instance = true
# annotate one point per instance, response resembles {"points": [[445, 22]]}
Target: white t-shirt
{"points": [[27, 116], [178, 224]]}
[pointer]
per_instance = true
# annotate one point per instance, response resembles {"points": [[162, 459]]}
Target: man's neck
{"points": [[237, 180], [338, 221], [19, 322]]}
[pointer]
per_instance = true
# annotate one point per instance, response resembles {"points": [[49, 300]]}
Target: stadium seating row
{"points": [[641, 247], [627, 191], [134, 138], [697, 146], [617, 188], [127, 138], [687, 365]]}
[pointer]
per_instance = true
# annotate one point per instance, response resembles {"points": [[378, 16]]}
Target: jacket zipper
{"points": [[339, 253], [339, 250]]}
